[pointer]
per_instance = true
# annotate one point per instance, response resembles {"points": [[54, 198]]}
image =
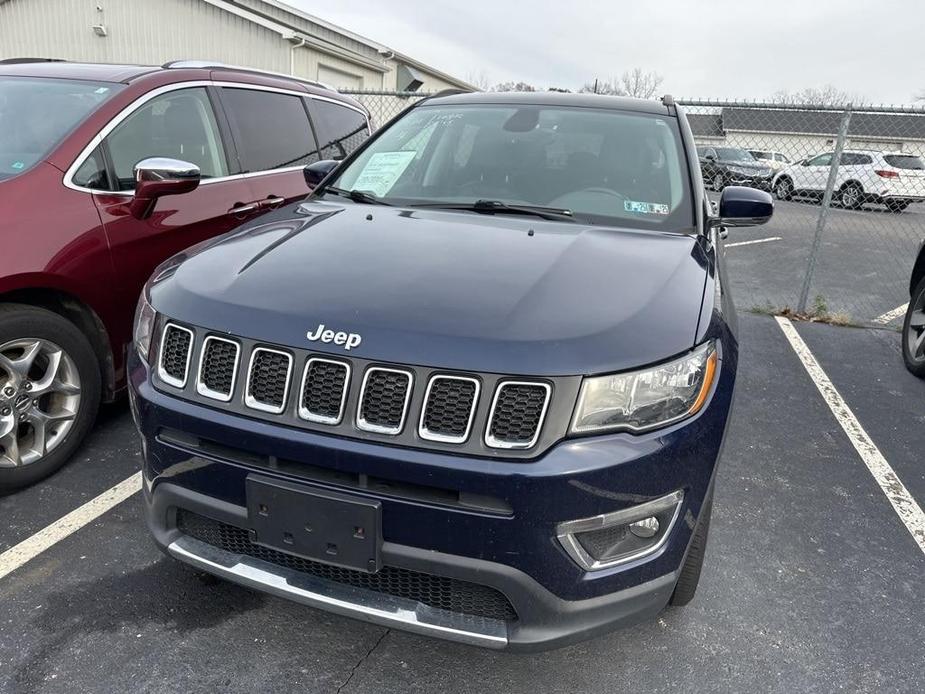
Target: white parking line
{"points": [[751, 243], [49, 536], [909, 512], [890, 316]]}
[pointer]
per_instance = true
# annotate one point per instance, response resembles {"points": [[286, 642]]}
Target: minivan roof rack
{"points": [[214, 64], [19, 61]]}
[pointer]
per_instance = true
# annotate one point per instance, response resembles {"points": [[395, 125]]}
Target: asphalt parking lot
{"points": [[863, 266], [812, 581]]}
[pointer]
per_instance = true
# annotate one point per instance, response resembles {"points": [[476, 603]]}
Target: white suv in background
{"points": [[889, 178], [775, 160]]}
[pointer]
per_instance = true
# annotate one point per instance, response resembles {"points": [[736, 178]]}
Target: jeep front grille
{"points": [[268, 380], [324, 390], [449, 406], [218, 368], [176, 345], [384, 400], [517, 414], [482, 413]]}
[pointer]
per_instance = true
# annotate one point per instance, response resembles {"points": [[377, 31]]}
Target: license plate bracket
{"points": [[314, 524]]}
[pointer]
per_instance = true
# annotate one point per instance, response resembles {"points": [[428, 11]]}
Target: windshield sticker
{"points": [[382, 171], [102, 90], [18, 165], [645, 207]]}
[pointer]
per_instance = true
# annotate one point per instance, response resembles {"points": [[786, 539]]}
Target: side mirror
{"points": [[743, 207], [709, 157], [159, 176], [316, 173]]}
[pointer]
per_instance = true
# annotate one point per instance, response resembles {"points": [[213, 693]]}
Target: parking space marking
{"points": [[890, 316], [751, 243], [52, 534], [909, 512]]}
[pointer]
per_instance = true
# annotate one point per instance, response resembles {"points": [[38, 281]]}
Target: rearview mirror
{"points": [[159, 176], [743, 207], [316, 173]]}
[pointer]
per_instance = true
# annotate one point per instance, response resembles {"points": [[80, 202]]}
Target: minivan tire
{"points": [[916, 365], [21, 322], [686, 587]]}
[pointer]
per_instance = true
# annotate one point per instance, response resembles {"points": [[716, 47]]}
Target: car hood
{"points": [[756, 166], [489, 293]]}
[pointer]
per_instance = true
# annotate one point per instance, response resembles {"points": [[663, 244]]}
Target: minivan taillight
{"points": [[886, 174]]}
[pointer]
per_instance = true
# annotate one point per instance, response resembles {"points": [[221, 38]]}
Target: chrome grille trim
{"points": [[375, 428], [163, 375], [201, 387], [491, 441], [424, 433], [255, 404], [320, 419]]}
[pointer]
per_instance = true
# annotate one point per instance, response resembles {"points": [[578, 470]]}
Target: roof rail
{"points": [[20, 61], [215, 64]]}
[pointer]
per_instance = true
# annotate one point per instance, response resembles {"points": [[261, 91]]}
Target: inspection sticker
{"points": [[645, 207], [382, 170]]}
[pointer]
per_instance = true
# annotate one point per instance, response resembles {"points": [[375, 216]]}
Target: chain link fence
{"points": [[849, 184]]}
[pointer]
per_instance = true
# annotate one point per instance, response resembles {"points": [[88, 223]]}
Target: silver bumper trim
{"points": [[349, 601]]}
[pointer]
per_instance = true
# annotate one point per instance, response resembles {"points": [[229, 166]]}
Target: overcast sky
{"points": [[706, 48]]}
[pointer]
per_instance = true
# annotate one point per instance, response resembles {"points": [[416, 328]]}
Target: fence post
{"points": [[824, 210]]}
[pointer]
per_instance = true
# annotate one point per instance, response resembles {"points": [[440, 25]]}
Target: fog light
{"points": [[615, 538], [645, 528]]}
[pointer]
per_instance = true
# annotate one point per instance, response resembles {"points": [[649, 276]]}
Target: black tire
{"points": [[783, 189], [897, 206], [18, 321], [914, 362], [851, 196], [686, 587]]}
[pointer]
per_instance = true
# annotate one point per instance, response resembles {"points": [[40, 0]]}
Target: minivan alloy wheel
{"points": [[914, 331], [39, 399]]}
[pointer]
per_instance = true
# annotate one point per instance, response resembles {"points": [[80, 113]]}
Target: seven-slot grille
{"points": [[324, 390], [176, 345], [447, 413], [449, 406], [384, 400], [268, 380], [218, 368], [517, 414]]}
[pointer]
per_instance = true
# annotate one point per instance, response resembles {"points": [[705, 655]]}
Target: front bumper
{"points": [[516, 552]]}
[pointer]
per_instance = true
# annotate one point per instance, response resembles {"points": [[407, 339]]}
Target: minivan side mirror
{"points": [[156, 177], [743, 207], [709, 157], [315, 173]]}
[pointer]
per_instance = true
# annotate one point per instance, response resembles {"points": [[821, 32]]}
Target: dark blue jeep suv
{"points": [[474, 386]]}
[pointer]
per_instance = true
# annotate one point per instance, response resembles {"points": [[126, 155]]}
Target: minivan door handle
{"points": [[240, 210], [272, 202]]}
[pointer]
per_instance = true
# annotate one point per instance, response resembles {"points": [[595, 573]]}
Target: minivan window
{"points": [[271, 130], [340, 129], [905, 161], [36, 113], [92, 173], [605, 166], [179, 125]]}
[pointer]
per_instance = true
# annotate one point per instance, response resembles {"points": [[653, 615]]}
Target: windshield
{"points": [[35, 113], [733, 154], [597, 166]]}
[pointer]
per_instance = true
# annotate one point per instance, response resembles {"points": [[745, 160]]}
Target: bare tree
{"points": [[828, 95], [513, 87], [642, 84], [478, 79], [638, 83]]}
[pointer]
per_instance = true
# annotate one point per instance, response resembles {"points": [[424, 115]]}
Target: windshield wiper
{"points": [[497, 206], [356, 195]]}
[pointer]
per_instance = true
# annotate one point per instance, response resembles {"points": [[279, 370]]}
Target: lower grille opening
{"points": [[439, 592]]}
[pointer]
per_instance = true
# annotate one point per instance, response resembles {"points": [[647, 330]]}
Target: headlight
{"points": [[145, 316], [646, 399]]}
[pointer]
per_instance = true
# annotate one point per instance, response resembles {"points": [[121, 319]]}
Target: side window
{"points": [[340, 129], [92, 173], [179, 125], [821, 160], [271, 130]]}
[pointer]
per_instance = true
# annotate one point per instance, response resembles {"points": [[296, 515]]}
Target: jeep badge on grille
{"points": [[346, 340]]}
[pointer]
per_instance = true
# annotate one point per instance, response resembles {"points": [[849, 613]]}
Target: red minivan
{"points": [[106, 171]]}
